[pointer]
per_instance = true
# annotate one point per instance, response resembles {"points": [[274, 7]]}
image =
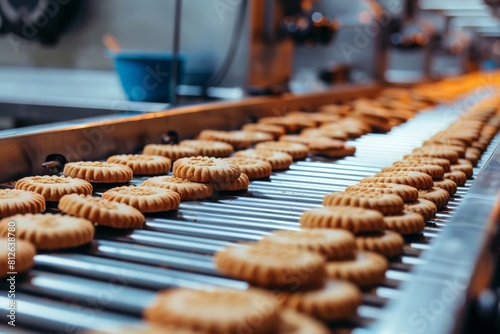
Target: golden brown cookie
{"points": [[145, 199], [188, 190], [101, 211], [143, 164], [333, 244], [292, 124], [435, 152], [52, 188], [240, 183], [473, 155], [275, 130], [385, 203], [254, 168], [329, 133], [344, 217], [438, 196], [206, 169], [20, 251], [444, 163], [364, 269], [278, 160], [302, 139], [414, 179], [448, 185], [215, 311], [20, 201], [271, 267], [457, 176], [423, 207], [407, 193], [464, 167], [98, 172], [297, 151], [434, 171], [209, 148], [50, 231], [335, 152], [404, 223], [173, 152], [238, 139], [293, 322], [387, 243]]}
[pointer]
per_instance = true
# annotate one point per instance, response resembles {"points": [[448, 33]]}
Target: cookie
{"points": [[52, 188], [301, 139], [278, 160], [365, 269], [448, 185], [330, 133], [98, 172], [173, 152], [384, 203], [333, 244], [386, 243], [101, 211], [252, 167], [24, 252], [297, 151], [238, 139], [473, 155], [290, 123], [343, 217], [404, 223], [143, 164], [50, 231], [188, 190], [456, 176], [209, 148], [144, 199], [465, 168], [293, 322], [434, 152], [335, 109], [416, 180], [438, 196], [460, 150], [215, 311], [445, 164], [334, 152], [206, 169], [423, 207], [240, 183], [407, 193], [434, 171], [20, 201], [275, 130], [270, 267]]}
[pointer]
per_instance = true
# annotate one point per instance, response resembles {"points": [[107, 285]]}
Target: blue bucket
{"points": [[146, 77]]}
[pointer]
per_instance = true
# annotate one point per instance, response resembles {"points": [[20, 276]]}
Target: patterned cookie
{"points": [[271, 267], [335, 152], [438, 196], [328, 132], [333, 244], [252, 167], [275, 130], [240, 183], [404, 223], [144, 199], [297, 151], [101, 211], [24, 251], [143, 164], [407, 193], [434, 152], [278, 160], [50, 231], [449, 141], [473, 155], [52, 188], [448, 185], [414, 179], [365, 269], [188, 190], [464, 166], [173, 152], [238, 139], [460, 150], [425, 208], [457, 176], [215, 311], [434, 171], [293, 322], [386, 243], [20, 201], [385, 203], [343, 217], [209, 148], [98, 172], [445, 164], [290, 123], [302, 139], [205, 169]]}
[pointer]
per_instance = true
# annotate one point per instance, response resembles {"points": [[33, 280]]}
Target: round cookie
{"points": [[473, 155], [291, 124], [333, 244], [98, 172], [173, 152], [343, 217], [297, 151], [240, 183], [143, 164], [52, 188], [50, 231], [209, 148], [274, 130], [24, 251], [270, 267], [238, 139], [252, 167], [278, 160], [432, 152], [414, 179], [457, 176], [333, 152], [144, 199], [407, 193], [365, 269], [206, 169], [101, 211], [188, 190], [301, 139], [438, 196], [465, 168], [14, 201], [404, 223], [444, 163], [449, 185], [460, 150], [384, 203], [434, 171], [326, 131], [386, 243], [423, 207]]}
